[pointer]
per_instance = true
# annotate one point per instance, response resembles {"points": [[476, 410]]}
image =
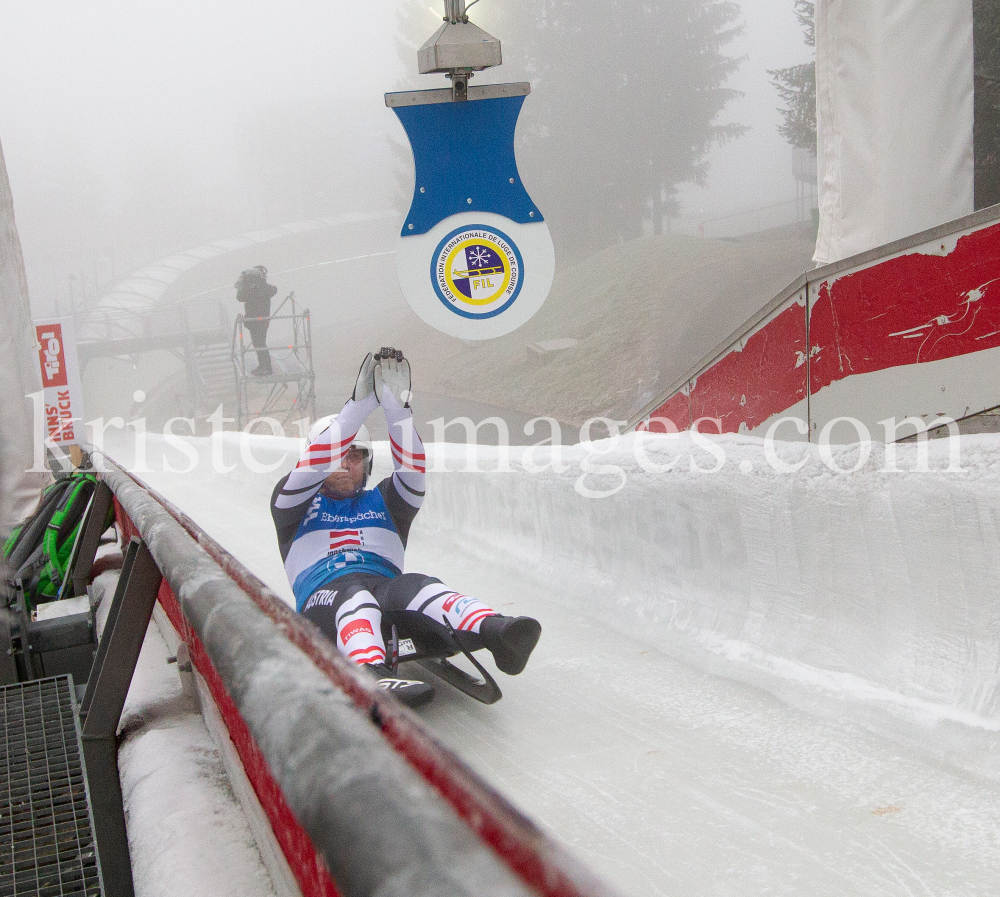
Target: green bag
{"points": [[38, 551]]}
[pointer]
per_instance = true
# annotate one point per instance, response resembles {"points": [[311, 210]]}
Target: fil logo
{"points": [[477, 272], [51, 355]]}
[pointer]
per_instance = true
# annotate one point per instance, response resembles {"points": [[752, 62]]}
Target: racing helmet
{"points": [[363, 441]]}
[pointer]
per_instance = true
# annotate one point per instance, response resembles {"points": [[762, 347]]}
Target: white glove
{"points": [[366, 380], [392, 374]]}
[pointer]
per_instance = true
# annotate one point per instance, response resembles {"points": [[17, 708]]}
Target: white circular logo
{"points": [[477, 275], [477, 271]]}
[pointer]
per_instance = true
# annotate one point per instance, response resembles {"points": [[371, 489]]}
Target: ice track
{"points": [[748, 682]]}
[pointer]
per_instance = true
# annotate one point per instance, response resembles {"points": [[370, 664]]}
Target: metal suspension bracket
{"points": [[457, 49]]}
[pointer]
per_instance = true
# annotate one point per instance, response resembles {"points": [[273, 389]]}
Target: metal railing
{"points": [[748, 221], [809, 282], [153, 324], [288, 388], [296, 709], [60, 791]]}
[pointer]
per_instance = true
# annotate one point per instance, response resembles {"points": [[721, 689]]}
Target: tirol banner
{"points": [[475, 258], [61, 389]]}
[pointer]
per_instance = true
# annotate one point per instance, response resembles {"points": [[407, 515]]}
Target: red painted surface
{"points": [[908, 310], [51, 355], [765, 378], [540, 863], [307, 866], [676, 411]]}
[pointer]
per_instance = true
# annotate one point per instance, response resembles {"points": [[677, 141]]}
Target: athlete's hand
{"points": [[366, 379], [392, 374]]}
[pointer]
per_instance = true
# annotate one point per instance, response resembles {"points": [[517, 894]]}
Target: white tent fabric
{"points": [[19, 373], [894, 98]]}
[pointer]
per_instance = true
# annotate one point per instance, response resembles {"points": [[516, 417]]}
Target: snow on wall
{"points": [[874, 585], [873, 588]]}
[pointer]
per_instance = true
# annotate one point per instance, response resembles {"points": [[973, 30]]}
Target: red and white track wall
{"points": [[358, 799], [911, 329]]}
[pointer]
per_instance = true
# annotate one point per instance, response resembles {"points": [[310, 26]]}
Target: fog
{"points": [[133, 130], [136, 131], [756, 169]]}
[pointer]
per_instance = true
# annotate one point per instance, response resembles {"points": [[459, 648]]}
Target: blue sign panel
{"points": [[474, 257], [464, 159]]}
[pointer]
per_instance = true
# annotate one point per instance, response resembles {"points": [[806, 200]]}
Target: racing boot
{"points": [[510, 640], [411, 692]]}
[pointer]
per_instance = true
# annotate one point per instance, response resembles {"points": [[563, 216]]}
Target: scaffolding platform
{"points": [[288, 391]]}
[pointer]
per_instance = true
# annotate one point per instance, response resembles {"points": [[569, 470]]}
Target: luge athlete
{"points": [[343, 545]]}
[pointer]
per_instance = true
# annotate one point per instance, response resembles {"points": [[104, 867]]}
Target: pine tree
{"points": [[796, 86]]}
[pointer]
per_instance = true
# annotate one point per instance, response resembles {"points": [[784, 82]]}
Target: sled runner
{"points": [[433, 654]]}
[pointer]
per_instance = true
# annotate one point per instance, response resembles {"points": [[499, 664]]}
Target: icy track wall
{"points": [[909, 329], [880, 586], [360, 799]]}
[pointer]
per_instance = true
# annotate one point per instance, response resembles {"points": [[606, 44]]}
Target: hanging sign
{"points": [[61, 389], [475, 258]]}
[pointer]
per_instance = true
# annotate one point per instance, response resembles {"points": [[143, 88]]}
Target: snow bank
{"points": [[187, 832], [877, 584], [873, 584]]}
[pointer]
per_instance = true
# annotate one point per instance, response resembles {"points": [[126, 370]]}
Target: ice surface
{"points": [[748, 681]]}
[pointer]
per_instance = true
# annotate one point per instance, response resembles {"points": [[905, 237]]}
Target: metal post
{"points": [[239, 360], [123, 634], [307, 336], [89, 539], [109, 624], [191, 374], [103, 701]]}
